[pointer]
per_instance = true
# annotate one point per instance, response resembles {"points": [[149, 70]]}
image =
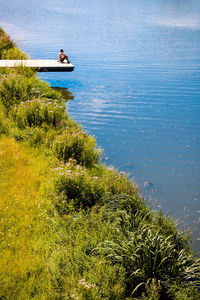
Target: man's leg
{"points": [[62, 60], [66, 57]]}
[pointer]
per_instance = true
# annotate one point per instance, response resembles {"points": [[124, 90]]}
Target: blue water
{"points": [[136, 86]]}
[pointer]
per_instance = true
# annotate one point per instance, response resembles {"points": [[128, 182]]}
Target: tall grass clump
{"points": [[13, 53], [5, 43], [37, 112], [74, 185], [77, 145], [146, 255]]}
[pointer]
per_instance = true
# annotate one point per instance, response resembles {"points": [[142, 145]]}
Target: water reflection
{"points": [[67, 95]]}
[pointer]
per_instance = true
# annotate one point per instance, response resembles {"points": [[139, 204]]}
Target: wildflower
{"points": [[82, 281], [68, 171]]}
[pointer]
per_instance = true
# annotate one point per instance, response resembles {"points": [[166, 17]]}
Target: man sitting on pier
{"points": [[62, 56]]}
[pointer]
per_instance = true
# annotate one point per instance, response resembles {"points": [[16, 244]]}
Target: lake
{"points": [[136, 86]]}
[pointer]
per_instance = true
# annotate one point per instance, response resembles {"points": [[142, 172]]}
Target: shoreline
{"points": [[95, 218]]}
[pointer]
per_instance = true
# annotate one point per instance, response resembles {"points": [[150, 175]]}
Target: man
{"points": [[62, 56]]}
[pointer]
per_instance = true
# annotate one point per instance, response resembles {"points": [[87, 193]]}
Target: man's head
{"points": [[61, 50]]}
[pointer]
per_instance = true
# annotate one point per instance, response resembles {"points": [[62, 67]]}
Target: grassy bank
{"points": [[70, 227]]}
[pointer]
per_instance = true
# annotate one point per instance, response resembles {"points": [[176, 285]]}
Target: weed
{"points": [[77, 145], [37, 112]]}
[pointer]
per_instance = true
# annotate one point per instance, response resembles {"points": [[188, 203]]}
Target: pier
{"points": [[41, 65]]}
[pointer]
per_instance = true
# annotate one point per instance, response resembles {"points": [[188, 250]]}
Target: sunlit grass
{"points": [[44, 256], [27, 240]]}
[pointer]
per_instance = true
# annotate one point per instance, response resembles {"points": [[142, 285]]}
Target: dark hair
{"points": [[61, 50]]}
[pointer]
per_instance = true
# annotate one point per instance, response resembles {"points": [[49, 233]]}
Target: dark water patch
{"points": [[67, 95]]}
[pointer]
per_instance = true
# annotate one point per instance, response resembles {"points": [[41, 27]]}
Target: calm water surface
{"points": [[135, 86]]}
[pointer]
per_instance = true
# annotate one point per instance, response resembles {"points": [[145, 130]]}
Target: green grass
{"points": [[28, 247], [70, 227], [36, 112]]}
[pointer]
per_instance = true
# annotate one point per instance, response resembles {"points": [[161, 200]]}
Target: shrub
{"points": [[37, 112], [13, 53], [74, 185], [77, 145], [8, 49], [5, 42], [14, 89]]}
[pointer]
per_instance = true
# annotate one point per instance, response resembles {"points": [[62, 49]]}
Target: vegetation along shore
{"points": [[71, 227]]}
